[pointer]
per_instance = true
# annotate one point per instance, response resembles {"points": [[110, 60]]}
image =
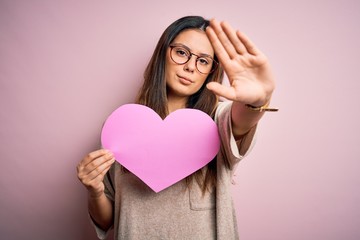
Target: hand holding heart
{"points": [[247, 68], [92, 169]]}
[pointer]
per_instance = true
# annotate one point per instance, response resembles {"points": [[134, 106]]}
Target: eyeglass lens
{"points": [[181, 55]]}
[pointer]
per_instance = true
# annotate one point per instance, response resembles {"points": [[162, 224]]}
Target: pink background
{"points": [[65, 66]]}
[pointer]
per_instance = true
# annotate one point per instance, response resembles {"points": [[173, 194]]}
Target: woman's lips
{"points": [[185, 81]]}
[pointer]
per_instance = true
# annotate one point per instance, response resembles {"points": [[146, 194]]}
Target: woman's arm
{"points": [[101, 211], [249, 73], [91, 171], [243, 119]]}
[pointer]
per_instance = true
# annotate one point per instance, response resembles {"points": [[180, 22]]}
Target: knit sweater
{"points": [[179, 212]]}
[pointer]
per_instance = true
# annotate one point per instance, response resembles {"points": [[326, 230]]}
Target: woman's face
{"points": [[185, 80]]}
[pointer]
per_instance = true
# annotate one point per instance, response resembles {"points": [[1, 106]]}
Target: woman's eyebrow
{"points": [[187, 48]]}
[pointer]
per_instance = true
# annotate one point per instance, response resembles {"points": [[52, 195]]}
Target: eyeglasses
{"points": [[181, 54]]}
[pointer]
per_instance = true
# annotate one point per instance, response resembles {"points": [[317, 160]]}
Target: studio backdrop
{"points": [[66, 65]]}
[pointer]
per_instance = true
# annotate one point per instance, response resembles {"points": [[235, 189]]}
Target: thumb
{"points": [[221, 90]]}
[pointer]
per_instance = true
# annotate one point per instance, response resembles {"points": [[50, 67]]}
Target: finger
{"points": [[234, 39], [99, 177], [92, 162], [223, 38], [221, 90], [98, 162], [96, 182], [95, 154], [219, 49], [249, 45], [100, 170]]}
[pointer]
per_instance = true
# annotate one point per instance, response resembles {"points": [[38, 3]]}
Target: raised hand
{"points": [[248, 70]]}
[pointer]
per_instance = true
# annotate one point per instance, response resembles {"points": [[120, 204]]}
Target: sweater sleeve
{"points": [[234, 151]]}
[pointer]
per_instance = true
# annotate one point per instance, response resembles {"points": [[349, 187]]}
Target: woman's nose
{"points": [[191, 64]]}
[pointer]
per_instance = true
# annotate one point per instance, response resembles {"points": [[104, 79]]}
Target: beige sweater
{"points": [[178, 212]]}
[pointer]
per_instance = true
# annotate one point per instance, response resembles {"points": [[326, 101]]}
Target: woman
{"points": [[186, 71]]}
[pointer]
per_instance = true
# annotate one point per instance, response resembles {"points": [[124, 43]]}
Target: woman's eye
{"points": [[181, 52], [204, 61]]}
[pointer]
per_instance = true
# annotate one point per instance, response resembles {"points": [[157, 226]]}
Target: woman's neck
{"points": [[176, 102]]}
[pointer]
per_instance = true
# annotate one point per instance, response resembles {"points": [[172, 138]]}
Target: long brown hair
{"points": [[153, 92]]}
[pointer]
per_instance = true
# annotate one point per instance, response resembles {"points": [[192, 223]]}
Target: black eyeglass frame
{"points": [[214, 62]]}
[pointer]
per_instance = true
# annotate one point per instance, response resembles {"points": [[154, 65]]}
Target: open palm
{"points": [[247, 68]]}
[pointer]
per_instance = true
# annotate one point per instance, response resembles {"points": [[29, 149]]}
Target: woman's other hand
{"points": [[92, 169]]}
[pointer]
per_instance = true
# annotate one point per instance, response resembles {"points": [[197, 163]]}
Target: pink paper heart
{"points": [[160, 152]]}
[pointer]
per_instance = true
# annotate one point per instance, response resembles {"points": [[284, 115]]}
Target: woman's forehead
{"points": [[196, 40]]}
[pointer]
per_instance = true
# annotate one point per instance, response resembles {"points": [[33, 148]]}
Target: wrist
{"points": [[261, 107], [95, 195]]}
